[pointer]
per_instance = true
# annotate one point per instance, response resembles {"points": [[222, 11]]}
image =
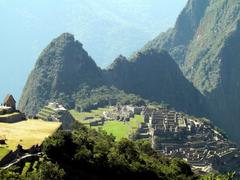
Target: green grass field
{"points": [[120, 129], [116, 128], [27, 133], [136, 121]]}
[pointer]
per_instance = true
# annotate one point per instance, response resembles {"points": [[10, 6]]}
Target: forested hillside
{"points": [[60, 71], [64, 72], [155, 76], [204, 44]]}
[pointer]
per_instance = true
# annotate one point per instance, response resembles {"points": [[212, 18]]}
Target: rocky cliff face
{"points": [[204, 44]]}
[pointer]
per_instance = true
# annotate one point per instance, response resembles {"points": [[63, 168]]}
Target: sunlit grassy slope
{"points": [[3, 152], [27, 133]]}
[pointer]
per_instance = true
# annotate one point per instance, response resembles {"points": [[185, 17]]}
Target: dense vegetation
{"points": [[61, 70], [88, 99], [204, 42], [89, 154], [64, 72], [44, 170], [155, 76]]}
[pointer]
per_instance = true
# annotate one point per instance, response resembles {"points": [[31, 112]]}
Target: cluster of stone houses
{"points": [[177, 135], [122, 113], [163, 121]]}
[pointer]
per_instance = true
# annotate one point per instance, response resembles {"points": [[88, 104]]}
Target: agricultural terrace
{"points": [[3, 152], [9, 115], [117, 128], [27, 133]]}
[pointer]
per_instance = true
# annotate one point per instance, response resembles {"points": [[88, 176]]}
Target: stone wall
{"points": [[16, 117]]}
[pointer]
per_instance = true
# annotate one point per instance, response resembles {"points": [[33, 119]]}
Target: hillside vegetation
{"points": [[90, 154], [65, 73], [204, 44]]}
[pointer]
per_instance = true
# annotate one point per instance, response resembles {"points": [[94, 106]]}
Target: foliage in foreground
{"points": [[46, 171], [87, 154]]}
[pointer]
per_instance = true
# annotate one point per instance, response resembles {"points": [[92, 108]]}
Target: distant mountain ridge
{"points": [[204, 44], [64, 68]]}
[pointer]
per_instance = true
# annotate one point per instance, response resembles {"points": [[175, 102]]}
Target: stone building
{"points": [[9, 101]]}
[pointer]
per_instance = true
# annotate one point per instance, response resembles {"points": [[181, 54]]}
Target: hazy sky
{"points": [[106, 28]]}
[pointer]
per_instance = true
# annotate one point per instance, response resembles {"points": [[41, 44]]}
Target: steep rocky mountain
{"points": [[155, 76], [65, 73], [204, 44], [60, 71]]}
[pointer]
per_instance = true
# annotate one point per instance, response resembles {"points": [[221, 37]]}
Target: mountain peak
{"points": [[119, 61], [66, 36], [65, 39], [61, 69]]}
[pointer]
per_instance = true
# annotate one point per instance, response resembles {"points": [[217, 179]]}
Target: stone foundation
{"points": [[12, 118]]}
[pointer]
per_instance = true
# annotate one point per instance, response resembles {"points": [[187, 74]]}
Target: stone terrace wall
{"points": [[12, 118]]}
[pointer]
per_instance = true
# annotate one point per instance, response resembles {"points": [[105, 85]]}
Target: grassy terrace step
{"points": [[9, 115], [41, 117], [48, 110], [42, 114], [27, 133], [3, 152]]}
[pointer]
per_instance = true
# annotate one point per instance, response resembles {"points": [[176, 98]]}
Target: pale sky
{"points": [[106, 28]]}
